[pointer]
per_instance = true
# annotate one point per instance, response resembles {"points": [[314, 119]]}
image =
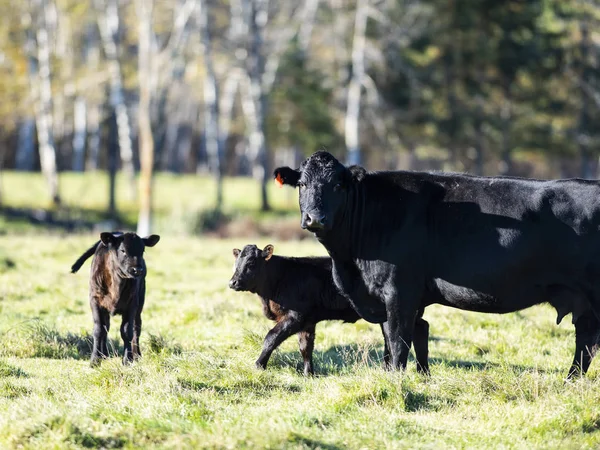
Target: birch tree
{"points": [[108, 25], [214, 144], [351, 122], [146, 140], [40, 19]]}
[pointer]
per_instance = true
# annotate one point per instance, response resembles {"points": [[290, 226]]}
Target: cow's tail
{"points": [[89, 252]]}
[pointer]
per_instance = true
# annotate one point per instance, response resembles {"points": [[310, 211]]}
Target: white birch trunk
{"points": [[146, 140], [351, 123], [214, 149], [108, 24], [42, 93]]}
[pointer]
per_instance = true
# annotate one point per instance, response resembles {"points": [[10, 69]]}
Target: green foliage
{"points": [[300, 113]]}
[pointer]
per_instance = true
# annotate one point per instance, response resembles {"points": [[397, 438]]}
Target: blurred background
{"points": [[171, 115]]}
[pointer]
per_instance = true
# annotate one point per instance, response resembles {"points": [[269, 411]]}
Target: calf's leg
{"points": [[587, 341], [279, 333], [306, 342], [127, 336], [101, 319], [137, 330]]}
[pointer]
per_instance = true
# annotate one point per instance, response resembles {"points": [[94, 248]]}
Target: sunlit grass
{"points": [[496, 382], [178, 199]]}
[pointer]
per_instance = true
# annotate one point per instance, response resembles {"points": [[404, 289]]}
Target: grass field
{"points": [[181, 203], [496, 381]]}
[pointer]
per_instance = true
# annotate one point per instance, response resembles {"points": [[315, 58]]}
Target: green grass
{"points": [[496, 381], [181, 202]]}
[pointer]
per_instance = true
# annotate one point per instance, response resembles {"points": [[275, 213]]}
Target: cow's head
{"points": [[249, 264], [127, 252], [324, 184]]}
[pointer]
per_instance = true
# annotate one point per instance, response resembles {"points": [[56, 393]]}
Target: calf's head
{"points": [[126, 252], [324, 184], [250, 262]]}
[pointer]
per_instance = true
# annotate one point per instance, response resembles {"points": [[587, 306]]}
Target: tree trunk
{"points": [[43, 94], [255, 64], [214, 148], [351, 123], [146, 140], [108, 24], [79, 128]]}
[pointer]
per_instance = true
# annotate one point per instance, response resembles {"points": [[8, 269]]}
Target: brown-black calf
{"points": [[297, 293], [117, 286]]}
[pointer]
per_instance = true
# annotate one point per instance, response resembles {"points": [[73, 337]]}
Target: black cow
{"points": [[401, 241], [117, 286], [297, 293]]}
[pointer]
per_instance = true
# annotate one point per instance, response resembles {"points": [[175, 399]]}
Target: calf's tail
{"points": [[89, 252]]}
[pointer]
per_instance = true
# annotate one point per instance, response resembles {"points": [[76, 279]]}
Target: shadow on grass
{"points": [[339, 358], [38, 340], [63, 218], [304, 441]]}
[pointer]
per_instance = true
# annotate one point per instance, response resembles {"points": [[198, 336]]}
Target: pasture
{"points": [[496, 381]]}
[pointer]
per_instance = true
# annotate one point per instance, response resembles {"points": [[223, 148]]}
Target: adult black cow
{"points": [[401, 241]]}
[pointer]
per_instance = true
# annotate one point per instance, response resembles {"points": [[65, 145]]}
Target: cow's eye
{"points": [[301, 185], [123, 251], [337, 187]]}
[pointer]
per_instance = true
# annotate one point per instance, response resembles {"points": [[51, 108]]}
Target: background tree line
{"points": [[235, 86]]}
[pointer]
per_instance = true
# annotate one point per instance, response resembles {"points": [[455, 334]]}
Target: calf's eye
{"points": [[337, 187], [301, 185]]}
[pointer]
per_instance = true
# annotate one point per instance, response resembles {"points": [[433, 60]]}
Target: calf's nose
{"points": [[233, 284], [136, 271]]}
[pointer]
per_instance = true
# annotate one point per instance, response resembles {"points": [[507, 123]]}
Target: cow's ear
{"points": [[107, 238], [268, 252], [286, 175], [357, 173], [236, 252], [151, 240]]}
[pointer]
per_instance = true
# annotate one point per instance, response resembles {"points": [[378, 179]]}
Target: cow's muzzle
{"points": [[235, 285], [136, 271], [313, 222]]}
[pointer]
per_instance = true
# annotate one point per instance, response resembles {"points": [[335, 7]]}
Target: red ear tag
{"points": [[279, 181]]}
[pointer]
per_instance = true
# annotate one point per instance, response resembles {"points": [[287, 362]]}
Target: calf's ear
{"points": [[236, 252], [107, 238], [151, 240], [268, 252], [286, 175]]}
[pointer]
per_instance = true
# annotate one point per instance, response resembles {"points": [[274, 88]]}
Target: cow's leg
{"points": [[386, 347], [587, 341], [276, 336], [306, 342], [401, 315], [421, 344], [127, 336], [101, 319]]}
